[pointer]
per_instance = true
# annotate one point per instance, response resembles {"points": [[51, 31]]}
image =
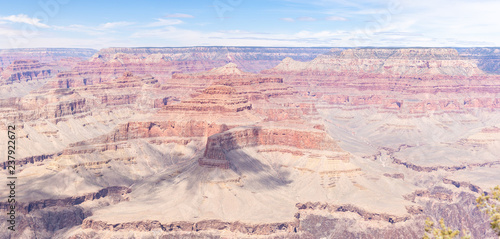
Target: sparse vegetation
{"points": [[488, 203], [441, 233], [491, 205]]}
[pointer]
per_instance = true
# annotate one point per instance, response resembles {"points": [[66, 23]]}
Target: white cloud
{"points": [[22, 18], [458, 22], [306, 19], [110, 25], [394, 33], [174, 36], [287, 19], [311, 19], [335, 18], [438, 23], [177, 37], [179, 15], [165, 22], [102, 29], [236, 32], [81, 28], [56, 42]]}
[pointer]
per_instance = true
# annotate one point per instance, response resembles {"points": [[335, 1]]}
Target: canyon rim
{"points": [[174, 120]]}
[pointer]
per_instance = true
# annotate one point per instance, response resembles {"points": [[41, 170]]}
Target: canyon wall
{"points": [[242, 142]]}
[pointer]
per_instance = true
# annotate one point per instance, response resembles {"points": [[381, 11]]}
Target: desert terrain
{"points": [[249, 142]]}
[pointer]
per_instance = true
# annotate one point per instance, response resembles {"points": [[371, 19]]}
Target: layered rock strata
{"points": [[215, 98], [26, 70], [358, 143]]}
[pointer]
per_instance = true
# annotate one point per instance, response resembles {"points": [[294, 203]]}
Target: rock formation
{"points": [[24, 71], [407, 62], [187, 143], [486, 58], [214, 98]]}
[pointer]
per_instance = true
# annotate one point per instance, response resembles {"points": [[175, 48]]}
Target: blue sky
{"points": [[290, 23]]}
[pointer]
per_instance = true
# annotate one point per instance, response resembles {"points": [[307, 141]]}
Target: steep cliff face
{"points": [[417, 62], [215, 98], [248, 85], [486, 58], [251, 59], [163, 62], [237, 138], [26, 70], [54, 103], [414, 81], [219, 145]]}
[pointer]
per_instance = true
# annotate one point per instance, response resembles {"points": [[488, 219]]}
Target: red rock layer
{"points": [[163, 62], [409, 81], [127, 91], [407, 62], [217, 98], [135, 130], [25, 70], [219, 144]]}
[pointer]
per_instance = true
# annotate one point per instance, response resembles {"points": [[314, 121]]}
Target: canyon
{"points": [[248, 142]]}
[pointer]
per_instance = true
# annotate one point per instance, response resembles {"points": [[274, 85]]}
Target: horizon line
{"points": [[215, 46]]}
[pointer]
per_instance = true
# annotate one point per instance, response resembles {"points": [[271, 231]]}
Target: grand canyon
{"points": [[249, 142]]}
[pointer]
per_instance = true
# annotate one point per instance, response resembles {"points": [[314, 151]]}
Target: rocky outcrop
{"points": [[452, 212], [320, 226], [227, 70], [395, 175], [218, 98], [470, 186], [136, 130], [438, 193], [26, 70], [366, 215], [55, 101], [70, 79], [43, 218], [248, 85], [428, 168], [245, 228], [219, 144], [117, 192], [29, 160], [253, 136], [486, 58], [51, 104], [44, 223]]}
